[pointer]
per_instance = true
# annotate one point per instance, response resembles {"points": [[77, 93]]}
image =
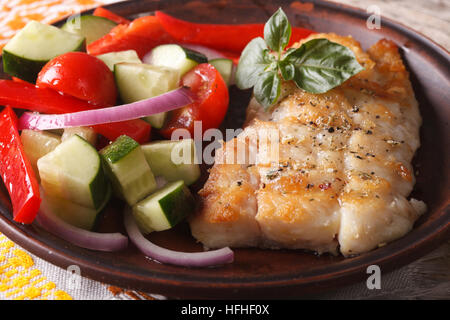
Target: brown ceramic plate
{"points": [[278, 274]]}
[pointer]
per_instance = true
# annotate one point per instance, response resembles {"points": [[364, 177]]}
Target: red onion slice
{"points": [[188, 259], [165, 102], [77, 236]]}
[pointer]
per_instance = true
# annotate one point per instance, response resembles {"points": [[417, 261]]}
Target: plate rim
{"points": [[433, 234]]}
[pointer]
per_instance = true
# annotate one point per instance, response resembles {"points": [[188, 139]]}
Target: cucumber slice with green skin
{"points": [[138, 81], [225, 68], [90, 27], [33, 46], [173, 160], [177, 57], [87, 133], [165, 208], [37, 144], [112, 58], [73, 213], [128, 170], [73, 171]]}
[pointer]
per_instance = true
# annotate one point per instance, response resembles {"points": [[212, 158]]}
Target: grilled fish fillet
{"points": [[341, 178]]}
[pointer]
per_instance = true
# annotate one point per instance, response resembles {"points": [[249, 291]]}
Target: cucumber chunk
{"points": [[157, 120], [73, 213], [112, 58], [87, 133], [33, 46], [165, 208], [138, 81], [37, 144], [128, 170], [177, 57], [73, 171], [90, 27], [173, 160], [225, 68]]}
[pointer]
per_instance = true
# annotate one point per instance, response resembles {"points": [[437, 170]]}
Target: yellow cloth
{"points": [[14, 14], [20, 279]]}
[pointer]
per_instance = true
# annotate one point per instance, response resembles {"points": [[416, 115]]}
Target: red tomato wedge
{"points": [[26, 96], [102, 12], [82, 76], [210, 105], [228, 37], [16, 171], [142, 35]]}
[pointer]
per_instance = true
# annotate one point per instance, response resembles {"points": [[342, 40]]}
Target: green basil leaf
{"points": [[267, 89], [277, 31], [320, 65], [272, 63], [287, 70], [252, 63]]}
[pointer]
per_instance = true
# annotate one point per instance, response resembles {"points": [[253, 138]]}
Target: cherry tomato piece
{"points": [[210, 105], [82, 76]]}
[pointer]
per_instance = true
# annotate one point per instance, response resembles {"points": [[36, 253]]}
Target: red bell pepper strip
{"points": [[20, 80], [16, 170], [232, 56], [102, 12], [27, 96], [228, 37], [142, 35]]}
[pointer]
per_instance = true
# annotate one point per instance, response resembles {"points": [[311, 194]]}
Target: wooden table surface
{"points": [[428, 277]]}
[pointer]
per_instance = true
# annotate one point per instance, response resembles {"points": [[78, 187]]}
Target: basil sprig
{"points": [[317, 66]]}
